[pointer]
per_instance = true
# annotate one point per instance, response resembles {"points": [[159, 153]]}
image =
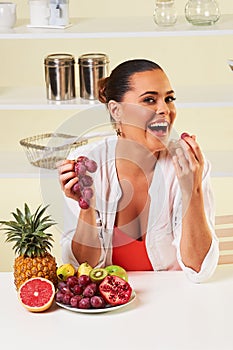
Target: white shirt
{"points": [[164, 227]]}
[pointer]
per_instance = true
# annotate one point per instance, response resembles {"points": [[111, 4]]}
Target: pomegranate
{"points": [[115, 290]]}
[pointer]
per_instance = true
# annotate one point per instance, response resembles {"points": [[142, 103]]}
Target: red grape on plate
{"points": [[74, 301], [84, 303], [97, 302]]}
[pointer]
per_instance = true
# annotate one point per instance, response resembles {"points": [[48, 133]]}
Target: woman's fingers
{"points": [[67, 177], [193, 147]]}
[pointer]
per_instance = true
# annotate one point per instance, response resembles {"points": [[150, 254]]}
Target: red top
{"points": [[129, 253]]}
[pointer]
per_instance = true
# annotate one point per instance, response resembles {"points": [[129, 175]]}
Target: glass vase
{"points": [[165, 13], [202, 12]]}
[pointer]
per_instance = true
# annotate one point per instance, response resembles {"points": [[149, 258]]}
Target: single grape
{"points": [[90, 165], [74, 301], [86, 180], [66, 298], [84, 280], [61, 285], [65, 289], [77, 188], [97, 302], [80, 169], [84, 303], [88, 292], [71, 281], [87, 193], [59, 296], [81, 159], [77, 289], [84, 204], [184, 134], [93, 286]]}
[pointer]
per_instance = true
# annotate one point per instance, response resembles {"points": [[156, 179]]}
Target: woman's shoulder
{"points": [[94, 148]]}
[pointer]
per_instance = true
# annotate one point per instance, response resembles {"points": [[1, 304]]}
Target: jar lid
{"points": [[93, 59], [59, 59]]}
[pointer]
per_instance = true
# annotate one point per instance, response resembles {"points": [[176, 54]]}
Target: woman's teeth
{"points": [[159, 126]]}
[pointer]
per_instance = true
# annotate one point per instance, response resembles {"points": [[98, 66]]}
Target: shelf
{"points": [[14, 165], [118, 27], [34, 98]]}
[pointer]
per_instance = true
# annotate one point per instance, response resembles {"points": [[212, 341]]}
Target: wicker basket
{"points": [[46, 150]]}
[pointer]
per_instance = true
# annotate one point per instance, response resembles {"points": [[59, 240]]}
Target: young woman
{"points": [[151, 209]]}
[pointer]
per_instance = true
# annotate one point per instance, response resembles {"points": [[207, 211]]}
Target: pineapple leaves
{"points": [[28, 231]]}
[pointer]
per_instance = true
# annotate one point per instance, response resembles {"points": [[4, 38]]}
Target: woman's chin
{"points": [[160, 142]]}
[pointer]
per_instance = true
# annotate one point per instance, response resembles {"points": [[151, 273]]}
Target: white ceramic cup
{"points": [[7, 14], [39, 12]]}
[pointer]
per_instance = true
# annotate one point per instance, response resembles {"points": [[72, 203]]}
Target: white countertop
{"points": [[169, 313]]}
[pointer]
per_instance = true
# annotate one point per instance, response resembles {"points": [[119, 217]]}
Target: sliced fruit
{"points": [[98, 274], [84, 269], [115, 290], [116, 270], [36, 294], [64, 271]]}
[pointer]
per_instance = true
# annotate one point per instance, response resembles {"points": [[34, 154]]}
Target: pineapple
{"points": [[32, 245]]}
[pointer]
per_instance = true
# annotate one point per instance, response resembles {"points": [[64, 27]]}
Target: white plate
{"points": [[97, 311]]}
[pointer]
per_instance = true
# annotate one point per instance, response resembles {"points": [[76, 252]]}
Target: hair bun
{"points": [[102, 84]]}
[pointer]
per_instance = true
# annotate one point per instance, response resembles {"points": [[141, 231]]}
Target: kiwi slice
{"points": [[98, 274]]}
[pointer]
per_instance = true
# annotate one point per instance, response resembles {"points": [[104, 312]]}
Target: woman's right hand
{"points": [[67, 178]]}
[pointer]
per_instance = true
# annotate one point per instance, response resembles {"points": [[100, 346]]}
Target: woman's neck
{"points": [[136, 154]]}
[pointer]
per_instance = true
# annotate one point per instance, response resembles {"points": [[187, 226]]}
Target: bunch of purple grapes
{"points": [[85, 181], [79, 292]]}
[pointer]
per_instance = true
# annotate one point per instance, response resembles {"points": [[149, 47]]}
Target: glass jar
{"points": [[202, 12], [165, 13]]}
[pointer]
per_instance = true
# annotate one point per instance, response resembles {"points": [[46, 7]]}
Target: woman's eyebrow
{"points": [[156, 93], [150, 93]]}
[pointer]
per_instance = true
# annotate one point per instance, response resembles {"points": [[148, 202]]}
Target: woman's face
{"points": [[147, 111]]}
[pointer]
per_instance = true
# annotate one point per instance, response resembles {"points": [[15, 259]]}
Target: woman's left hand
{"points": [[189, 163]]}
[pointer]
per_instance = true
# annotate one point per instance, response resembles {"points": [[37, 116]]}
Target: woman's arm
{"points": [[85, 243], [196, 236]]}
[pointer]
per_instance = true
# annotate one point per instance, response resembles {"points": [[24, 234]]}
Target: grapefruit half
{"points": [[36, 294]]}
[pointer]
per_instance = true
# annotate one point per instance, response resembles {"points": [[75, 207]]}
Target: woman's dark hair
{"points": [[118, 83]]}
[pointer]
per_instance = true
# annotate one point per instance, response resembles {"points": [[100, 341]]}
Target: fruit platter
{"points": [[93, 290], [87, 290]]}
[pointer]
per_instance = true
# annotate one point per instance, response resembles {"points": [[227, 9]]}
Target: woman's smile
{"points": [[160, 128]]}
